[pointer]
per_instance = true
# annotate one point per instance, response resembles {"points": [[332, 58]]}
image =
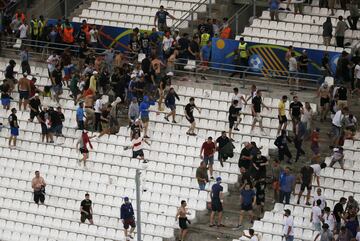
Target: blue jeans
{"points": [[286, 196], [289, 238], [202, 186]]}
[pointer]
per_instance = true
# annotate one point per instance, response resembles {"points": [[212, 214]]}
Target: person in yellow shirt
{"points": [[93, 80], [282, 114]]}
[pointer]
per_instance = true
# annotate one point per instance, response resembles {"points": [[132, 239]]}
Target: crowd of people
{"points": [[103, 84]]}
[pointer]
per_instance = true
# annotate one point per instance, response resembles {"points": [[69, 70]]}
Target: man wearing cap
{"points": [[35, 107], [127, 218], [86, 209], [14, 127], [217, 199], [93, 80], [288, 231], [24, 91]]}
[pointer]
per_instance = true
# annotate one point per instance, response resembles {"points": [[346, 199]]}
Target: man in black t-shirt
{"points": [[233, 115], [160, 19], [194, 49], [221, 141], [14, 127], [257, 103], [338, 212], [43, 117], [306, 176], [56, 79], [245, 156], [86, 209], [35, 107], [189, 114], [342, 94], [295, 110]]}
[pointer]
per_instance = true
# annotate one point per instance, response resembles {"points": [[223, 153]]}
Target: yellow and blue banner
{"points": [[268, 59]]}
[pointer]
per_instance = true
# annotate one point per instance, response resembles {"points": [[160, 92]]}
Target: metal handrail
{"points": [[191, 11]]}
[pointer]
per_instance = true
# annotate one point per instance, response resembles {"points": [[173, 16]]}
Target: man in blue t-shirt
{"points": [[247, 200], [274, 9], [217, 197], [160, 19], [80, 116], [287, 185]]}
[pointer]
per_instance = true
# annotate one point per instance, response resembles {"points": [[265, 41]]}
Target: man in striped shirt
{"points": [[137, 147]]}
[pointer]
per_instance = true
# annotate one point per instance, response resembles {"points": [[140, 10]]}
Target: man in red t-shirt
{"points": [[208, 148]]}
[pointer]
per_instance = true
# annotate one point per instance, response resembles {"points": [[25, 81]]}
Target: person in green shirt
{"points": [[202, 176]]}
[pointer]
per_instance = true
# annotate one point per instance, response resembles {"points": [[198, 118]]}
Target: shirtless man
{"points": [[181, 215], [324, 95], [24, 91]]}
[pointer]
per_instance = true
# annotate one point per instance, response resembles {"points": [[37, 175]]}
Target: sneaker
{"points": [[236, 129], [298, 202], [174, 122], [147, 137], [212, 225], [288, 9], [220, 225], [167, 119], [308, 204], [212, 178], [203, 77], [145, 161], [237, 227]]}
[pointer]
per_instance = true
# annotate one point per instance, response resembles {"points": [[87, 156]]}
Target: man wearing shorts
{"points": [[86, 209], [296, 109], [137, 146], [144, 113], [170, 103], [282, 114], [127, 218], [189, 114], [183, 220], [324, 94], [248, 201], [217, 199], [35, 107], [14, 127], [257, 103], [306, 176], [241, 100], [24, 91], [208, 148], [233, 116], [337, 124]]}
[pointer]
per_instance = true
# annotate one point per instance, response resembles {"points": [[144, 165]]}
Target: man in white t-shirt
{"points": [[241, 100], [293, 69], [23, 30], [288, 230], [318, 196], [97, 109], [328, 218], [252, 236], [52, 61], [316, 216], [137, 147], [317, 169], [94, 36]]}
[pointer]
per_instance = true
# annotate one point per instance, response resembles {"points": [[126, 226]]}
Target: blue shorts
{"points": [[5, 101], [171, 107], [14, 131], [58, 89]]}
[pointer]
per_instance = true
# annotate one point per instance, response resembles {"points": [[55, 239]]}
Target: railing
{"points": [[220, 74], [188, 14], [235, 17], [265, 77]]}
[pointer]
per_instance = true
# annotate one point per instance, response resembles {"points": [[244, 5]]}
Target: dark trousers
{"points": [[25, 67], [353, 22], [39, 196], [340, 41], [282, 152], [97, 124], [286, 196], [242, 64], [323, 3], [298, 146]]}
